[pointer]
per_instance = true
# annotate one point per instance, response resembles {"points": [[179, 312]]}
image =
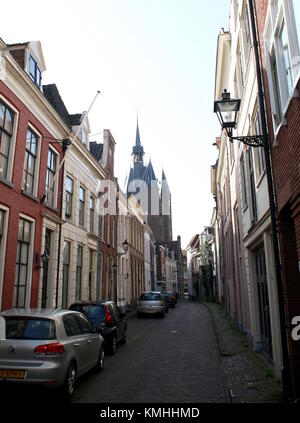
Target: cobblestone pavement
{"points": [[173, 360], [248, 375]]}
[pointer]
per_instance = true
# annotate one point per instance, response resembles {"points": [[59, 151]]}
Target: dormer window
{"points": [[34, 71]]}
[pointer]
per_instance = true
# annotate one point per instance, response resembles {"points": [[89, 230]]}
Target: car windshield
{"points": [[150, 296], [29, 328]]}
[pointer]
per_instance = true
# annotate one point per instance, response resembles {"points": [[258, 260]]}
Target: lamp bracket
{"points": [[251, 140]]}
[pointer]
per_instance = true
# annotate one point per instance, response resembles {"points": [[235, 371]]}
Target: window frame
{"points": [[69, 198], [81, 208], [54, 188], [79, 265], [244, 181], [29, 262], [92, 213], [66, 271], [35, 176], [36, 77], [12, 142], [3, 243], [278, 13]]}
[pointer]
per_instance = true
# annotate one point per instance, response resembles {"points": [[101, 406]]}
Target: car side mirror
{"points": [[96, 330]]}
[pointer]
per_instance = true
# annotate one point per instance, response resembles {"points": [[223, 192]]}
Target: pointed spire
{"points": [[137, 138], [149, 173], [138, 150], [163, 176]]}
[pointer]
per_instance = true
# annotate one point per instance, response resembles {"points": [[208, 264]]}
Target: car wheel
{"points": [[162, 315], [113, 345], [124, 339], [70, 382], [100, 364]]}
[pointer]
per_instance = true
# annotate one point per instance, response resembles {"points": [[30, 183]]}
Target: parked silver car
{"points": [[151, 302], [48, 347]]}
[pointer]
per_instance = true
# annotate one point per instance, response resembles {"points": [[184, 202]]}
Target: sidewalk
{"points": [[249, 377]]}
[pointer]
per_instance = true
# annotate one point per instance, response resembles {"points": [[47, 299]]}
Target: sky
{"points": [[151, 57]]}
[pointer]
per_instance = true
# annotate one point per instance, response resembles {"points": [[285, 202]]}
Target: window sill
{"points": [[6, 182], [55, 209], [31, 196]]}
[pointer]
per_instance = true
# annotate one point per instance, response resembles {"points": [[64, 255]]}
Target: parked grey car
{"points": [[48, 347], [151, 302]]}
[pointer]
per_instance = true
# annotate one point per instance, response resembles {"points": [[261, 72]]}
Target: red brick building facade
{"points": [[25, 148], [281, 73]]}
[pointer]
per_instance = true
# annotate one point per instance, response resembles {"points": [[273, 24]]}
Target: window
{"points": [[281, 36], [34, 72], [78, 273], [30, 161], [277, 112], [92, 213], [91, 253], [246, 33], [51, 170], [239, 74], [113, 232], [69, 197], [296, 7], [71, 325], [106, 276], [108, 229], [244, 181], [22, 263], [6, 131], [285, 58], [81, 205], [30, 328], [84, 324], [1, 224], [66, 273], [252, 186]]}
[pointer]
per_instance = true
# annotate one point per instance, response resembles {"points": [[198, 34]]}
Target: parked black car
{"points": [[108, 318], [172, 299]]}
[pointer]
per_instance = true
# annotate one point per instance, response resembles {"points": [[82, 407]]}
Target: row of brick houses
{"points": [[247, 281], [67, 231]]}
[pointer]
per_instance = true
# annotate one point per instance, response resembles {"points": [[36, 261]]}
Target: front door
{"points": [[263, 301]]}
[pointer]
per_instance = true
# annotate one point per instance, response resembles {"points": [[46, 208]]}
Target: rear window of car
{"points": [[150, 296], [92, 312], [29, 328]]}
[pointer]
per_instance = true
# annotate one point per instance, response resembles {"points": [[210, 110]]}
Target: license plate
{"points": [[12, 374], [150, 311]]}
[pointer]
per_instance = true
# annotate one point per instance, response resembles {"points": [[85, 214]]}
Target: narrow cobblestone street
{"points": [[171, 360]]}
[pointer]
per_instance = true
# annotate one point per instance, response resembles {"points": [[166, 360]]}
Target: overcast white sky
{"points": [[154, 56]]}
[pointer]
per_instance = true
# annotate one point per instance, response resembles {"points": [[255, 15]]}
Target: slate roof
{"points": [[96, 150], [75, 120], [149, 174], [52, 94]]}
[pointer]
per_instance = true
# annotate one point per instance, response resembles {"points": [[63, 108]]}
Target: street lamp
{"points": [[227, 111]]}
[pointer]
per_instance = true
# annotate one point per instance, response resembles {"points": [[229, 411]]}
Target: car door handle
{"points": [[76, 346], [89, 341]]}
